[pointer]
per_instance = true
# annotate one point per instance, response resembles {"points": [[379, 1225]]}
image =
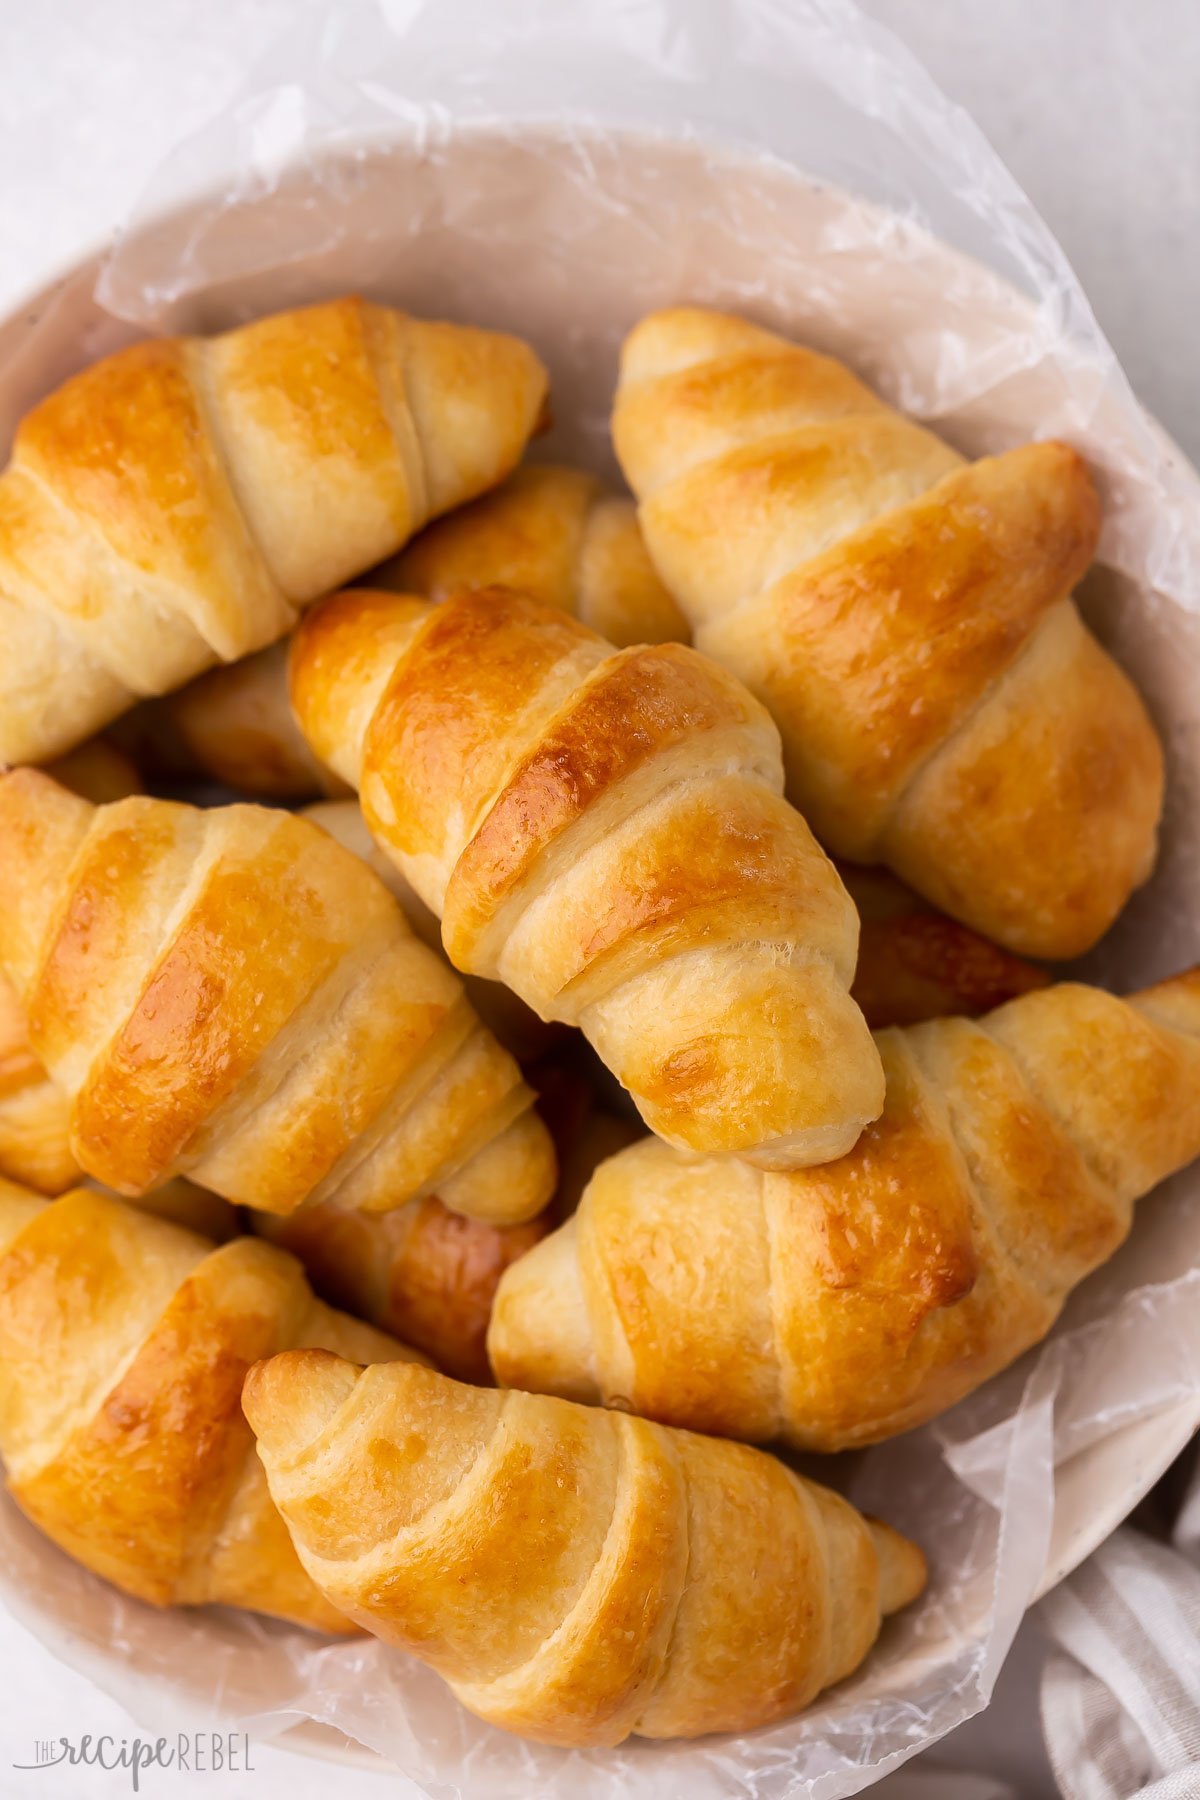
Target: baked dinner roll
{"points": [[177, 504], [907, 618], [124, 1342], [574, 1575], [605, 832], [228, 994], [836, 1306]]}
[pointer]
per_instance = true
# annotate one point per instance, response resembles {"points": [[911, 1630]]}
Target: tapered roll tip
{"points": [[291, 1398], [903, 1570]]}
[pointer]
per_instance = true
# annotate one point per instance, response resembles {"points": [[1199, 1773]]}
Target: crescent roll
{"points": [[124, 1342], [907, 618], [230, 995], [836, 1306], [574, 1575], [605, 832], [177, 504]]}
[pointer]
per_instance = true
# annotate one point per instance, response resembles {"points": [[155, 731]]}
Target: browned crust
{"points": [[641, 703]]}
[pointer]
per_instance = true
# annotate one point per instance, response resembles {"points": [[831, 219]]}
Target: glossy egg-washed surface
{"points": [[907, 619], [227, 993], [574, 1575], [604, 831], [836, 1306], [124, 1342], [176, 504]]}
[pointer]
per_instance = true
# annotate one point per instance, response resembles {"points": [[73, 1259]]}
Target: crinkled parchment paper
{"points": [[557, 168]]}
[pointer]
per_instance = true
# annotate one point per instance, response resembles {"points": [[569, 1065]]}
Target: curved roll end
{"points": [[744, 1053], [477, 397], [1065, 741], [291, 1398], [510, 1180], [540, 1338], [903, 1570], [342, 656], [676, 337]]}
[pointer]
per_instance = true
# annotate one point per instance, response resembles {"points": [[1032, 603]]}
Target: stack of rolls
{"points": [[450, 1098]]}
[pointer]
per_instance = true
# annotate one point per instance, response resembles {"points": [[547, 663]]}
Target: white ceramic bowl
{"points": [[568, 248]]}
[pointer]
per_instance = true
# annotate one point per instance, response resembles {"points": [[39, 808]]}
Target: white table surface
{"points": [[1093, 104]]}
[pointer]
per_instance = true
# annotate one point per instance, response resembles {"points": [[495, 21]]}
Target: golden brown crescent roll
{"points": [[605, 832], [574, 1575], [124, 1341], [906, 616], [837, 1306], [515, 1024], [177, 504], [916, 964], [233, 726], [230, 995], [556, 534]]}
